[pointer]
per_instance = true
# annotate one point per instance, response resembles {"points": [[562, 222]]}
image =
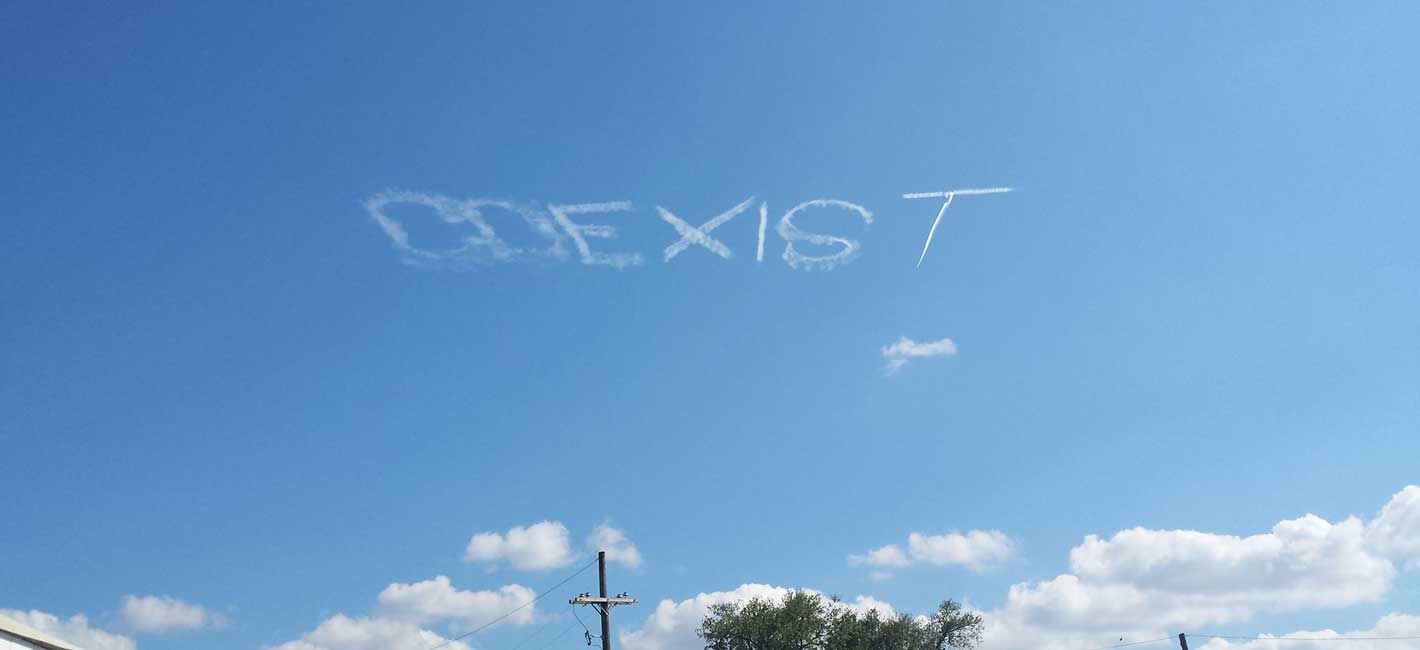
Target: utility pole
{"points": [[1183, 641], [603, 604]]}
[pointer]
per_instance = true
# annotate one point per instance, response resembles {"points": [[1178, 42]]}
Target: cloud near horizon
{"points": [[1390, 625], [438, 600], [341, 632], [157, 614], [672, 625], [75, 630], [403, 609], [1137, 583], [1396, 530], [1142, 583]]}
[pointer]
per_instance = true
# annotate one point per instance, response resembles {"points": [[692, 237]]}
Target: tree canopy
{"points": [[807, 621]]}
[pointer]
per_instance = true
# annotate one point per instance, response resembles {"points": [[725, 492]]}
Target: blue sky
{"points": [[224, 384]]}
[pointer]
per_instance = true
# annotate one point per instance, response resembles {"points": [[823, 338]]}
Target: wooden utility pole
{"points": [[603, 604]]}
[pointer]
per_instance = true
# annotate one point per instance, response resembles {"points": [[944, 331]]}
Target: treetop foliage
{"points": [[808, 621]]}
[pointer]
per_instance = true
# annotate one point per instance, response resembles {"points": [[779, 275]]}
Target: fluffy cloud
{"points": [[906, 349], [1390, 625], [340, 632], [1395, 533], [1302, 563], [888, 556], [403, 608], [672, 626], [75, 630], [541, 546], [437, 599], [1143, 583], [977, 550], [617, 545], [164, 614]]}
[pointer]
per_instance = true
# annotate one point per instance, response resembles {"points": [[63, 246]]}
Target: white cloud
{"points": [[906, 349], [541, 546], [617, 545], [977, 550], [341, 632], [1395, 533], [890, 555], [672, 626], [403, 608], [165, 614], [865, 604], [1302, 563], [437, 599], [1390, 625], [1142, 583], [75, 630]]}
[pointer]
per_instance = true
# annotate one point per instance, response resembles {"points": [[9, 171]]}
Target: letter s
{"points": [[791, 234]]}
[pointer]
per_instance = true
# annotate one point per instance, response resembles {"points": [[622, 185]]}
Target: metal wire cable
{"points": [[1129, 644], [557, 638], [515, 610], [529, 637], [1132, 643], [584, 625], [1313, 639]]}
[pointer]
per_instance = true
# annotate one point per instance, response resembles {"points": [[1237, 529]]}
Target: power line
{"points": [[516, 609], [559, 636], [1132, 643], [603, 602], [1129, 645], [529, 637], [1310, 639], [584, 625]]}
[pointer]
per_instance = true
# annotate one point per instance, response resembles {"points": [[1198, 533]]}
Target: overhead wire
{"points": [[584, 625], [1129, 644], [1132, 643], [529, 637], [515, 610], [1314, 639], [557, 638]]}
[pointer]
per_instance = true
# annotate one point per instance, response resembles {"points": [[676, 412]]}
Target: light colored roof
{"points": [[17, 629]]}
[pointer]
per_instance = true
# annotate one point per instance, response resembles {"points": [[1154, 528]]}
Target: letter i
{"points": [[763, 221]]}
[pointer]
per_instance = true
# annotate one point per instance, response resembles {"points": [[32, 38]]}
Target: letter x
{"points": [[701, 235]]}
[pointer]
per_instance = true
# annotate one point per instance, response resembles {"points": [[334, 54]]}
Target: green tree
{"points": [[808, 621]]}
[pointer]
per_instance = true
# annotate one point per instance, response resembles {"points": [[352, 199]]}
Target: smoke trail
{"points": [[965, 192], [763, 221], [933, 231]]}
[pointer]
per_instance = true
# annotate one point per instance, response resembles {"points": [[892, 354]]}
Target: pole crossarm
{"points": [[603, 602], [594, 600]]}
